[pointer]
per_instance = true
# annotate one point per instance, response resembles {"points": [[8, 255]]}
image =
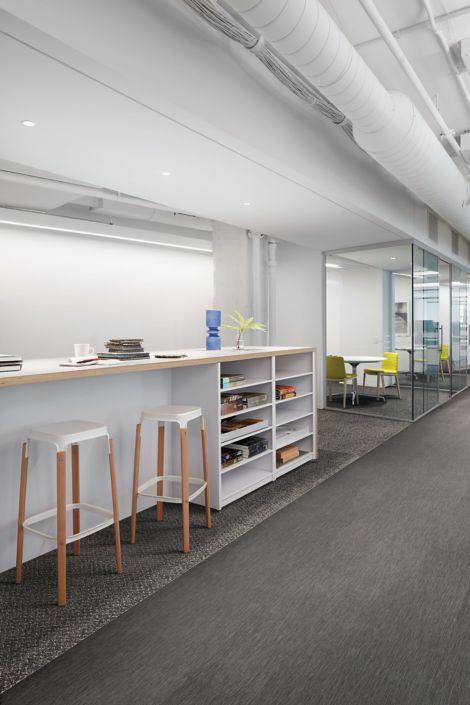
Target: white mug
{"points": [[83, 349]]}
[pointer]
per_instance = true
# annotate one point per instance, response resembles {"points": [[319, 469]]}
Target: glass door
{"points": [[459, 330], [445, 286], [425, 357]]}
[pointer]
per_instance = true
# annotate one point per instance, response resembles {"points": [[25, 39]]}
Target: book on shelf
{"points": [[252, 399], [230, 403], [286, 454], [230, 456], [231, 380], [285, 391], [254, 445]]}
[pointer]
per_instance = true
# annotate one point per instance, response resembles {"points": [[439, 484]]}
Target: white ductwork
{"points": [[385, 124]]}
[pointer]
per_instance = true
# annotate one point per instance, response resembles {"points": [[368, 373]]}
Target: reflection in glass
{"points": [[459, 329], [425, 331]]}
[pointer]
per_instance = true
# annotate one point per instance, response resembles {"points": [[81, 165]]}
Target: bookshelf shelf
{"points": [[251, 410], [298, 396], [290, 375], [294, 438], [304, 457], [242, 481], [248, 383], [235, 466], [292, 416], [260, 431]]}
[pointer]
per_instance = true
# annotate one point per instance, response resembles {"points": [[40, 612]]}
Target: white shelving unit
{"points": [[262, 373]]}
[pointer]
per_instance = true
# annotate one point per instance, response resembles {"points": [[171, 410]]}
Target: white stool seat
{"points": [[174, 413], [67, 433]]}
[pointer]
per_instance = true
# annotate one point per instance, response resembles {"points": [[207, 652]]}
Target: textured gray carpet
{"points": [[34, 631]]}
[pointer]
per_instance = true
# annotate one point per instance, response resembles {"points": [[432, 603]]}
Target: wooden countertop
{"points": [[49, 370]]}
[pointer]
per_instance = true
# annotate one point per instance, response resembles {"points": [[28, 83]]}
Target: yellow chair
{"points": [[444, 357], [336, 372], [389, 369]]}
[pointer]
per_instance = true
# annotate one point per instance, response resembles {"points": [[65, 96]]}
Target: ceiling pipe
{"points": [[399, 55], [445, 17], [386, 124], [446, 49]]}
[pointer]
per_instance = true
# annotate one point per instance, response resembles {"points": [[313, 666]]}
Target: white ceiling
{"points": [[117, 100]]}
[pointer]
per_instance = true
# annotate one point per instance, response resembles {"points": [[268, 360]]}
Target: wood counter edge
{"points": [[41, 377]]}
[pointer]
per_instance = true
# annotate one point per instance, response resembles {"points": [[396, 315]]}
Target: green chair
{"points": [[336, 372], [389, 369], [444, 357]]}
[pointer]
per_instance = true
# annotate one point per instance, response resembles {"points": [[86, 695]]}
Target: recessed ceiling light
{"points": [[247, 203], [166, 173], [333, 266], [392, 257], [28, 123]]}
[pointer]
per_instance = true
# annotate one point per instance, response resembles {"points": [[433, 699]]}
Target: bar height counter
{"points": [[44, 392]]}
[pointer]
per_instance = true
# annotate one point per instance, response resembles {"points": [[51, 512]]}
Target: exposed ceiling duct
{"points": [[386, 124]]}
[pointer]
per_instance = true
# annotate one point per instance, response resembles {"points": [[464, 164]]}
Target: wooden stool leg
{"points": [[76, 495], [205, 465], [363, 381], [21, 512], [378, 385], [117, 533], [135, 485], [61, 530], [160, 466], [185, 487]]}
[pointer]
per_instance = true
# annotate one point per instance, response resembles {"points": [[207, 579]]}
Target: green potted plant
{"points": [[243, 324]]}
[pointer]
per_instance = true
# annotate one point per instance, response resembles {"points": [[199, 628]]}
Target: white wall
{"points": [[354, 314], [57, 289], [300, 299]]}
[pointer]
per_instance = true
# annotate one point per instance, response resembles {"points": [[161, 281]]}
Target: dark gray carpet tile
{"points": [[352, 434], [34, 631], [356, 594]]}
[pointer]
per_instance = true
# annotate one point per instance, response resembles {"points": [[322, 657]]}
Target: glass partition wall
{"points": [[397, 330]]}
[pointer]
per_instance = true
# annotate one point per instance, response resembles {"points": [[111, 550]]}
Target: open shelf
{"points": [[294, 438], [297, 396], [243, 480], [292, 416], [245, 435], [247, 383], [304, 457], [251, 410], [291, 375], [235, 466]]}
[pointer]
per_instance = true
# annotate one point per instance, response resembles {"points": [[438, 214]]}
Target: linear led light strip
{"points": [[104, 235]]}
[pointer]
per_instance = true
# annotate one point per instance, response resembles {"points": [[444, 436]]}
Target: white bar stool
{"points": [[61, 436], [180, 415]]}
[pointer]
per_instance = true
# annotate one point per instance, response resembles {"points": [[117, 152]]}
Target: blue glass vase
{"points": [[213, 323]]}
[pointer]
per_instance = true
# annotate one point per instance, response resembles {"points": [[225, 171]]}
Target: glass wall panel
{"points": [[444, 328], [459, 329], [425, 331]]}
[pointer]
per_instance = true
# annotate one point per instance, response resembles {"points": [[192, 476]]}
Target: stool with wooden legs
{"points": [[180, 415], [61, 436]]}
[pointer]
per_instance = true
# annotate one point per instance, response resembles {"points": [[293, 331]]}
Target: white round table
{"points": [[355, 360]]}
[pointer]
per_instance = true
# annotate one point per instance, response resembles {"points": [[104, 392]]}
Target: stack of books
{"points": [[231, 380], [254, 445], [286, 454], [285, 391], [230, 456], [11, 363], [252, 399], [230, 403], [124, 349]]}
